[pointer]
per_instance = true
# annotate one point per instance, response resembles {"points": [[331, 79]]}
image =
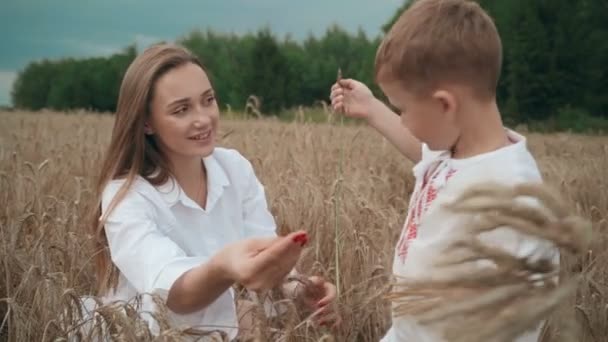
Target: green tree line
{"points": [[281, 73], [554, 70]]}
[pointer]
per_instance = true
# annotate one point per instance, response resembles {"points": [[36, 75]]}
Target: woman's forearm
{"points": [[198, 288]]}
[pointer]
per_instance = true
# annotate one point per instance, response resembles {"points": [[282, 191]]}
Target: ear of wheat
{"points": [[253, 105], [502, 295]]}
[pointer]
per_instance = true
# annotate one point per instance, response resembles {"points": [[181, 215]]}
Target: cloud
{"points": [[7, 78], [90, 48], [76, 28], [84, 48], [143, 41]]}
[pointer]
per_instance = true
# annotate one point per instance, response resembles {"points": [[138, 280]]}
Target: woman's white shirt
{"points": [[157, 233]]}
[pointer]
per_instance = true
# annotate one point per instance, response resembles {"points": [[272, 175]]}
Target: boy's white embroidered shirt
{"points": [[428, 226]]}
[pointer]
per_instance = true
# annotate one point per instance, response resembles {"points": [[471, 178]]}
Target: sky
{"points": [[37, 29]]}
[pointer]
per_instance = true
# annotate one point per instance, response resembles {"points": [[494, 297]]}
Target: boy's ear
{"points": [[447, 101]]}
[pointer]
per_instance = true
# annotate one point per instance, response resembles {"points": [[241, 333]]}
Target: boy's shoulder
{"points": [[511, 164]]}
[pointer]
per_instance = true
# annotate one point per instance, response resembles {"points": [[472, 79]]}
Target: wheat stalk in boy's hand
{"points": [[481, 292]]}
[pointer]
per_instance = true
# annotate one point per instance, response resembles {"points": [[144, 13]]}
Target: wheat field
{"points": [[343, 183]]}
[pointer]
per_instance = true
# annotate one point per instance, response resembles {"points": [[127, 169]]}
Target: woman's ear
{"points": [[148, 129]]}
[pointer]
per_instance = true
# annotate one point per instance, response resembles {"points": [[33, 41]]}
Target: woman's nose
{"points": [[201, 117]]}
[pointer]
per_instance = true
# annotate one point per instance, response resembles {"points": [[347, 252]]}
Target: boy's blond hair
{"points": [[437, 41]]}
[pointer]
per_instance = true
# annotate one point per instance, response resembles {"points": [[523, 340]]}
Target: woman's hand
{"points": [[261, 264]]}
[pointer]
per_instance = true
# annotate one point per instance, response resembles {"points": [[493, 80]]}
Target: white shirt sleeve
{"points": [[143, 253], [520, 244], [257, 218]]}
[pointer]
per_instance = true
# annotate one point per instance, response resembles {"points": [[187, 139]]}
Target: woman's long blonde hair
{"points": [[131, 152]]}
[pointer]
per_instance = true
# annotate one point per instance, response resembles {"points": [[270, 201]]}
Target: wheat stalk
{"points": [[337, 204], [297, 163]]}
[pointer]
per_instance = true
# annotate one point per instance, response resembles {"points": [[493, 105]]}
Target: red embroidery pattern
{"points": [[420, 203], [450, 174], [425, 197]]}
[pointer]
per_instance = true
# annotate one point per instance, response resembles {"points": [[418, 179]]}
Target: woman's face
{"points": [[184, 114]]}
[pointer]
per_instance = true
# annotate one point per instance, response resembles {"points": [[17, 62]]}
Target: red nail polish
{"points": [[301, 238]]}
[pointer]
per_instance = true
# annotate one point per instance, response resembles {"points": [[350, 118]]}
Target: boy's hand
{"points": [[319, 296], [353, 99]]}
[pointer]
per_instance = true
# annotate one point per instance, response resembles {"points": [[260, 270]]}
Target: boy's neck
{"points": [[481, 131]]}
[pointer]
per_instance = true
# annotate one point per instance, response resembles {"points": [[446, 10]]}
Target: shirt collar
{"points": [[217, 180]]}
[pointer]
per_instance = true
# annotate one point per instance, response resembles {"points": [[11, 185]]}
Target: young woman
{"points": [[179, 217]]}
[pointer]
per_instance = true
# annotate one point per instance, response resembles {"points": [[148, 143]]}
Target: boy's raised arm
{"points": [[355, 100]]}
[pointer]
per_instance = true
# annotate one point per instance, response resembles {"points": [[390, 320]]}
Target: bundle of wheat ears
{"points": [[511, 294]]}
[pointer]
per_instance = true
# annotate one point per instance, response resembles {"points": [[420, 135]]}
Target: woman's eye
{"points": [[180, 109], [209, 100]]}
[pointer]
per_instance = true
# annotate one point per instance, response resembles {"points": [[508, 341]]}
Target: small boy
{"points": [[439, 66]]}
